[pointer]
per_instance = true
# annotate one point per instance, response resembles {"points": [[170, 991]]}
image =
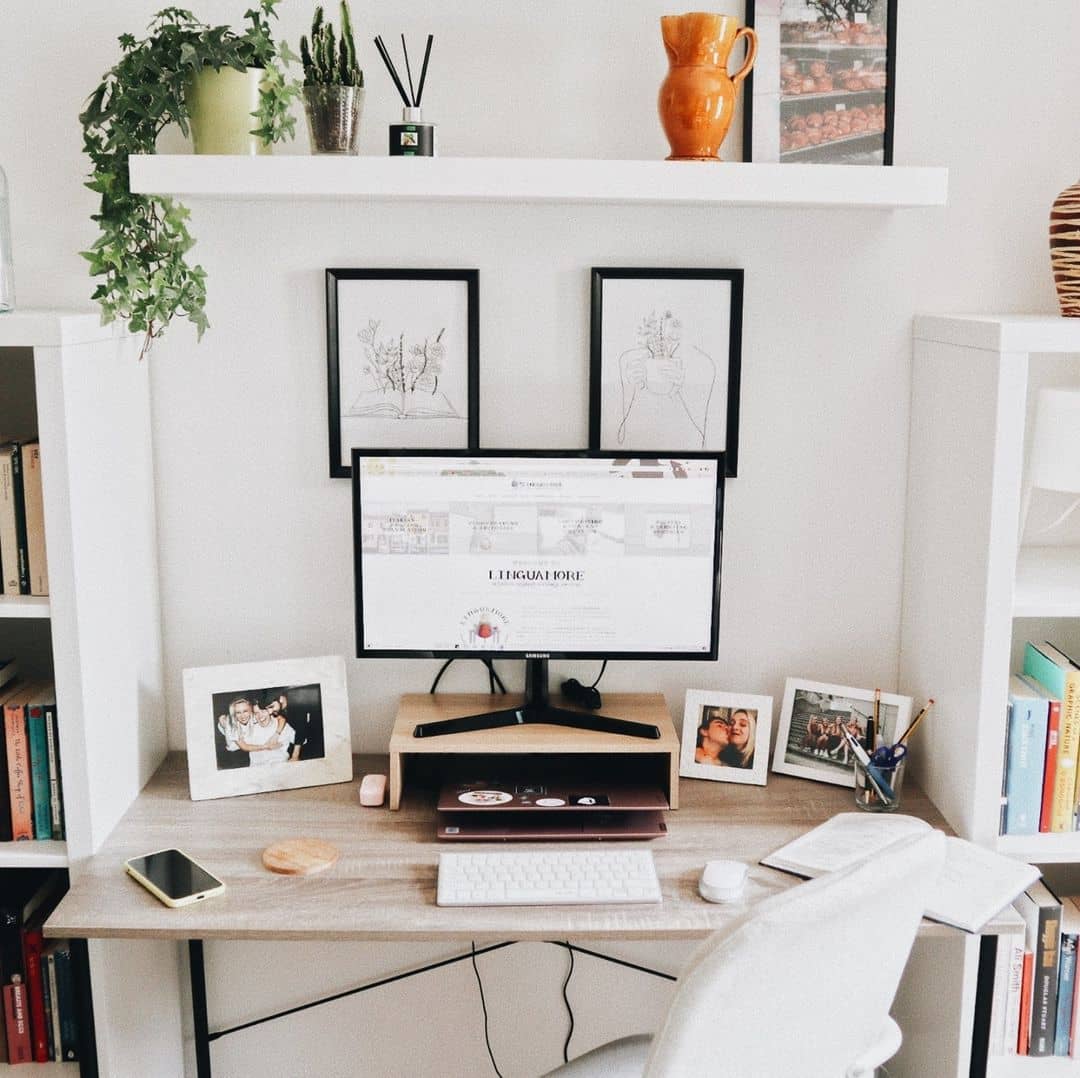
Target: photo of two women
{"points": [[726, 736]]}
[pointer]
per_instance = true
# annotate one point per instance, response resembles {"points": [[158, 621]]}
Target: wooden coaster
{"points": [[300, 856]]}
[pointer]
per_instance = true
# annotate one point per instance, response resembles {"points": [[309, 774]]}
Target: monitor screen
{"points": [[536, 554]]}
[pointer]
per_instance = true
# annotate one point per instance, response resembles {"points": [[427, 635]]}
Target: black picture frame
{"points": [[385, 404], [765, 107], [727, 368]]}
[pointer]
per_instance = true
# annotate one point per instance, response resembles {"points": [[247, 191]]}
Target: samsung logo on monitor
{"points": [[537, 655]]}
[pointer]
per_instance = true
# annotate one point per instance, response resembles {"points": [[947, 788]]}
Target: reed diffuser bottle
{"points": [[7, 269]]}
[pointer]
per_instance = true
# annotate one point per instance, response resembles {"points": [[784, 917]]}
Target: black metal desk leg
{"points": [[198, 1008]]}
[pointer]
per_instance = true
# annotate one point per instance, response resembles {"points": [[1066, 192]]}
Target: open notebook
{"points": [[974, 885]]}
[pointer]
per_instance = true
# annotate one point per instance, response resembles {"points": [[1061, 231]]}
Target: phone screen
{"points": [[174, 874]]}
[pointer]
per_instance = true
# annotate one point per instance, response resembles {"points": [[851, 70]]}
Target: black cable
{"points": [[569, 1009], [599, 676], [438, 676], [490, 664], [483, 1005]]}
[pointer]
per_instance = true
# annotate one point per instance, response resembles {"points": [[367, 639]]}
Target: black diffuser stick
{"points": [[390, 67], [408, 70], [423, 70]]}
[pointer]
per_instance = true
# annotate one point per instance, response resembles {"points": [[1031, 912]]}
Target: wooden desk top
{"points": [[383, 886]]}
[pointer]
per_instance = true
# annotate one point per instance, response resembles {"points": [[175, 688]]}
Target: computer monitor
{"points": [[536, 555]]}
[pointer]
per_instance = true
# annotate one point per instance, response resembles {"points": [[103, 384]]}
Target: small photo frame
{"points": [[725, 737], [403, 357], [823, 87], [665, 358], [809, 739], [253, 727]]}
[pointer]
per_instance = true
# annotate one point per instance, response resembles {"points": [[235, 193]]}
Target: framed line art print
{"points": [[725, 737], [403, 358], [253, 727], [809, 740], [823, 88], [665, 357]]}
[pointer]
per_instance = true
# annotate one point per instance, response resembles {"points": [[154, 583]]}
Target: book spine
{"points": [[9, 545], [1027, 740], [65, 983], [33, 943], [1068, 750], [18, 1028], [22, 550], [5, 798], [1014, 948], [1053, 734], [996, 1040], [54, 992], [1044, 981], [56, 800], [1066, 986], [18, 773], [1025, 1005], [46, 994], [39, 770], [34, 504]]}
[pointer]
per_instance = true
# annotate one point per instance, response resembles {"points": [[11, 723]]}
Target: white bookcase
{"points": [[98, 634], [972, 593]]}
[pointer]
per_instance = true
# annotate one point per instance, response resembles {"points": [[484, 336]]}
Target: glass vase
{"points": [[333, 116]]}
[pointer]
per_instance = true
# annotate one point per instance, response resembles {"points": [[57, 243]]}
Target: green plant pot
{"points": [[221, 104]]}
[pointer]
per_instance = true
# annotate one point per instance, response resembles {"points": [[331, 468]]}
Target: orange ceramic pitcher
{"points": [[697, 98]]}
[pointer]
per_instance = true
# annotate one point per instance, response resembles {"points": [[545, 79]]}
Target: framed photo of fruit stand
{"points": [[666, 347], [823, 88]]}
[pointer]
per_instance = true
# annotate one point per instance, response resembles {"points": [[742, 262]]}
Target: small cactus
{"points": [[328, 61]]}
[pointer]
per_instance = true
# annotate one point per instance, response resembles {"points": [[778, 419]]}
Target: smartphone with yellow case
{"points": [[173, 877]]}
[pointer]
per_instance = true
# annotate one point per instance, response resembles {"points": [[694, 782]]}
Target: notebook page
{"points": [[846, 838]]}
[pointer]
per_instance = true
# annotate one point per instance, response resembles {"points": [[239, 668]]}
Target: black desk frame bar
{"points": [[204, 1038]]}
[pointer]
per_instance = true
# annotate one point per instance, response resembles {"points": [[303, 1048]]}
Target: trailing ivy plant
{"points": [[144, 239]]}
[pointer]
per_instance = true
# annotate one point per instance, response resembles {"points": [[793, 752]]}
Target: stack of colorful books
{"points": [[31, 803], [1039, 790]]}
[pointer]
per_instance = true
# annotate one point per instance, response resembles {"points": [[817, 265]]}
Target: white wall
{"points": [[255, 538]]}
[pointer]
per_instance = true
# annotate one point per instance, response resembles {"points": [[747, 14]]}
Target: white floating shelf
{"points": [[536, 180], [1047, 583], [1002, 332], [39, 854], [1031, 1067], [1043, 849], [24, 606]]}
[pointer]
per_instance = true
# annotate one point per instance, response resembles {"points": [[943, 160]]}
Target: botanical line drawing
{"points": [[402, 378], [661, 367]]}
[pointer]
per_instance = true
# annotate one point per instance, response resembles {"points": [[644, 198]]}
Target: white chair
{"points": [[798, 988]]}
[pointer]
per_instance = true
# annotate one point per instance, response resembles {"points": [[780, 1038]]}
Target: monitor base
{"points": [[527, 716], [537, 710]]}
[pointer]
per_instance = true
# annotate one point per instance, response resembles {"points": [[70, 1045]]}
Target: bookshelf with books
{"points": [[92, 645], [978, 595]]}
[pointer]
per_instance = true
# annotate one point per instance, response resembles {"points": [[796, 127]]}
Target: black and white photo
{"points": [[666, 350], [253, 727], [402, 361]]}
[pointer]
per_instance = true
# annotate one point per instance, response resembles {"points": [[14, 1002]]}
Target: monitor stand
{"points": [[537, 709]]}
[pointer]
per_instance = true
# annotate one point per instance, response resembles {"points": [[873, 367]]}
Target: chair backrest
{"points": [[801, 985]]}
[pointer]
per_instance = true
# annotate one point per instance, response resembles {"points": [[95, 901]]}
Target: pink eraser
{"points": [[372, 790]]}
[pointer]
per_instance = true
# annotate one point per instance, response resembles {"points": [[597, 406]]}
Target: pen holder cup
{"points": [[878, 791]]}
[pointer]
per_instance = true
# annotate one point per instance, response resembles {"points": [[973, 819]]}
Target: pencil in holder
{"points": [[877, 789]]}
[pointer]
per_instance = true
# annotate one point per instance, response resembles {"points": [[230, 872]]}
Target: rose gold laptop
{"points": [[494, 811]]}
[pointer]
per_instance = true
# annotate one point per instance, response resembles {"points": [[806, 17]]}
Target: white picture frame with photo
{"points": [[741, 751], [809, 743], [260, 726]]}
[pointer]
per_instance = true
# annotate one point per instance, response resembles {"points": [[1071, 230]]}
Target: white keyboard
{"points": [[547, 877]]}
